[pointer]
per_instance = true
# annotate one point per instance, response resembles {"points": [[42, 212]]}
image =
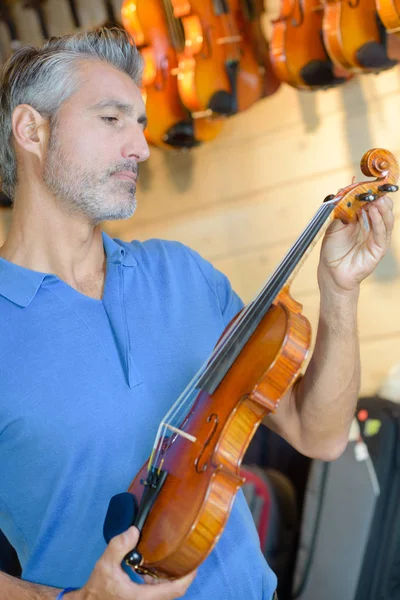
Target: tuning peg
{"points": [[388, 187], [367, 197], [133, 558]]}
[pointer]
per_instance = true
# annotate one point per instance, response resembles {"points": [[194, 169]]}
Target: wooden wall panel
{"points": [[242, 200]]}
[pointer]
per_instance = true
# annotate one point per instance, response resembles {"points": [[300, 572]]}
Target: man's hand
{"points": [[109, 581], [351, 252]]}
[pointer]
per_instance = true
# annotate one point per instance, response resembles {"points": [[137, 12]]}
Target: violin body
{"points": [[389, 14], [204, 476], [354, 37], [249, 19], [298, 54], [169, 123], [217, 72]]}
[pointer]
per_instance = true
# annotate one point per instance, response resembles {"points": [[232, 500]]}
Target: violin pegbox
{"points": [[378, 163]]}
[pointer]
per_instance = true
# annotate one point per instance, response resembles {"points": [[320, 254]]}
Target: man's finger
{"points": [[121, 544]]}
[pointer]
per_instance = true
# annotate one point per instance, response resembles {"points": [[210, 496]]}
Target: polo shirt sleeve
{"points": [[229, 301]]}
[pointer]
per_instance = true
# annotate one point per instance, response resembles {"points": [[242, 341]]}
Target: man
{"points": [[98, 336]]}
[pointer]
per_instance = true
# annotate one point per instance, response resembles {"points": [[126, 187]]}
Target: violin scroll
{"points": [[378, 163]]}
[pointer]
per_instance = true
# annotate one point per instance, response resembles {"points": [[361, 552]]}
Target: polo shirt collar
{"points": [[116, 252], [20, 285]]}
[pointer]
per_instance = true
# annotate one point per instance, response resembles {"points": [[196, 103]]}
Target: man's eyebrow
{"points": [[127, 109], [111, 103]]}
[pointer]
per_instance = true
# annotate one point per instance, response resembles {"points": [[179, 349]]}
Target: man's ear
{"points": [[30, 130]]}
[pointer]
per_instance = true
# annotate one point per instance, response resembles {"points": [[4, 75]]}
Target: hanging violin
{"points": [[249, 17], [389, 14], [298, 54], [217, 72], [355, 37], [181, 499], [157, 34]]}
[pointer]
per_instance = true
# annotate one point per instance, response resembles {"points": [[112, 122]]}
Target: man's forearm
{"points": [[12, 588], [327, 394]]}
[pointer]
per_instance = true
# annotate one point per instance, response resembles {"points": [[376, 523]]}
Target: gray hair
{"points": [[46, 77]]}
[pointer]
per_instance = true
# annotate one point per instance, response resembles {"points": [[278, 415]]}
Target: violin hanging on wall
{"points": [[181, 499], [298, 54], [389, 14], [157, 34], [217, 72], [355, 37], [249, 16]]}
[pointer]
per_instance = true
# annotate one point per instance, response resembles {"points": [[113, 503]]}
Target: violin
{"points": [[249, 18], [157, 34], [298, 53], [181, 499], [389, 14], [217, 72], [354, 36]]}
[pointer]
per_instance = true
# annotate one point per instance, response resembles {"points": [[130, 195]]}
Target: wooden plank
{"points": [[379, 316], [377, 357], [248, 271]]}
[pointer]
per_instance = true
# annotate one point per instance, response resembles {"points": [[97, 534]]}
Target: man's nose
{"points": [[136, 145]]}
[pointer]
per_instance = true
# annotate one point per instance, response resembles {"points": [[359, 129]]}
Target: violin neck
{"points": [[298, 253], [240, 332], [175, 27]]}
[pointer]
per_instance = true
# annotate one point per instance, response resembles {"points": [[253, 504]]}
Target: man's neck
{"points": [[57, 244]]}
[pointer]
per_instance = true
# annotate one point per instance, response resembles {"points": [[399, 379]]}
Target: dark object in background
{"points": [[350, 533], [284, 468], [267, 449], [380, 575], [272, 501], [5, 201]]}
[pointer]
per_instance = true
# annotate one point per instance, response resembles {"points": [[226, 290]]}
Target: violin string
{"points": [[214, 375], [180, 408]]}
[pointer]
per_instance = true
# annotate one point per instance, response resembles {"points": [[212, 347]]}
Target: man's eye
{"points": [[110, 119]]}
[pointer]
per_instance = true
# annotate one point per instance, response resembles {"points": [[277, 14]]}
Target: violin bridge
{"points": [[187, 436]]}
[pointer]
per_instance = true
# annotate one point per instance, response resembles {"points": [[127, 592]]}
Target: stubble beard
{"points": [[85, 193]]}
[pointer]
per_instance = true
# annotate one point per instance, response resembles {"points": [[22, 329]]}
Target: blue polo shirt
{"points": [[84, 386]]}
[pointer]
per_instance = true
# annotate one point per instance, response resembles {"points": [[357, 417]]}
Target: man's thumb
{"points": [[123, 543]]}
